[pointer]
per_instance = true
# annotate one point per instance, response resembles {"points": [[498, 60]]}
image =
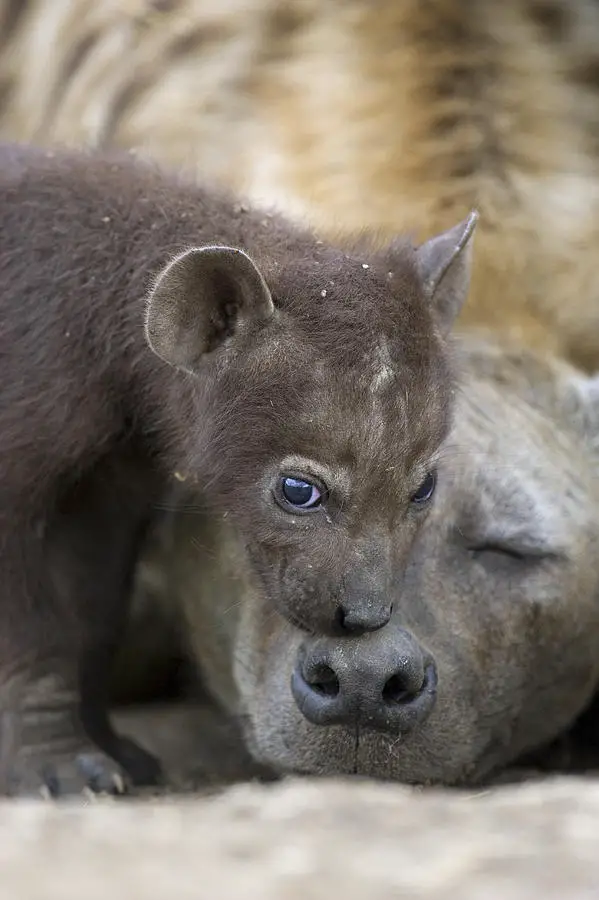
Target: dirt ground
{"points": [[302, 840], [299, 839]]}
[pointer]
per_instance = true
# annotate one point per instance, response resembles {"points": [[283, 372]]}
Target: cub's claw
{"points": [[52, 776]]}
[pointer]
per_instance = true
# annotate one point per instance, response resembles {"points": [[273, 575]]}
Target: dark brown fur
{"points": [[93, 424]]}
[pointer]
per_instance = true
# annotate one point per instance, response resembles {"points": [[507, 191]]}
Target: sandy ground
{"points": [[302, 840], [299, 839]]}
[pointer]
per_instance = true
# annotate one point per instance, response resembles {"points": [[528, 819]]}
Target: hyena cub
{"points": [[153, 328]]}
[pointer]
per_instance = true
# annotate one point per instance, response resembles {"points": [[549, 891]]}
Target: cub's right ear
{"points": [[445, 262], [199, 301]]}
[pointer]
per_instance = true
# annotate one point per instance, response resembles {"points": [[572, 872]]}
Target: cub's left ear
{"points": [[445, 264]]}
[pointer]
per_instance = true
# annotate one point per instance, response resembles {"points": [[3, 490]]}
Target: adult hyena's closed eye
{"points": [[305, 388]]}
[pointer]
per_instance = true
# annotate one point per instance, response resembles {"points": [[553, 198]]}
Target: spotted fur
{"points": [[354, 114]]}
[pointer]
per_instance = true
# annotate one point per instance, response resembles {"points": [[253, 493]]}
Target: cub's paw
{"points": [[47, 749], [51, 775]]}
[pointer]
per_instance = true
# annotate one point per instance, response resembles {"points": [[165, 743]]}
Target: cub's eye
{"points": [[426, 489], [299, 493]]}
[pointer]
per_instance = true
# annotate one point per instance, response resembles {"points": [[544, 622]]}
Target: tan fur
{"points": [[396, 114], [514, 640]]}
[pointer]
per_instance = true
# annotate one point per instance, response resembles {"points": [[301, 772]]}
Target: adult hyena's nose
{"points": [[385, 682]]}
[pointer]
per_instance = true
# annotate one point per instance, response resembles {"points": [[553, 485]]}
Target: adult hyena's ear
{"points": [[445, 263], [200, 300], [583, 405]]}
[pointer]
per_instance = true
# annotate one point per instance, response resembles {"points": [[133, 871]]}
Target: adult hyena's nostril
{"points": [[323, 680], [396, 690]]}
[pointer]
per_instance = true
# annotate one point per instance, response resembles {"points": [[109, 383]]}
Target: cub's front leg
{"points": [[64, 579]]}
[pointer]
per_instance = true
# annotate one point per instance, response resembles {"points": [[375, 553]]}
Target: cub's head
{"points": [[322, 391]]}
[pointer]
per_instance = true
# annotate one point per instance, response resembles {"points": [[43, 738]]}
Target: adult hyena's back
{"points": [[391, 115]]}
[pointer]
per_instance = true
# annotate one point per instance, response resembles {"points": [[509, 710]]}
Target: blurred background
{"points": [[390, 115]]}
